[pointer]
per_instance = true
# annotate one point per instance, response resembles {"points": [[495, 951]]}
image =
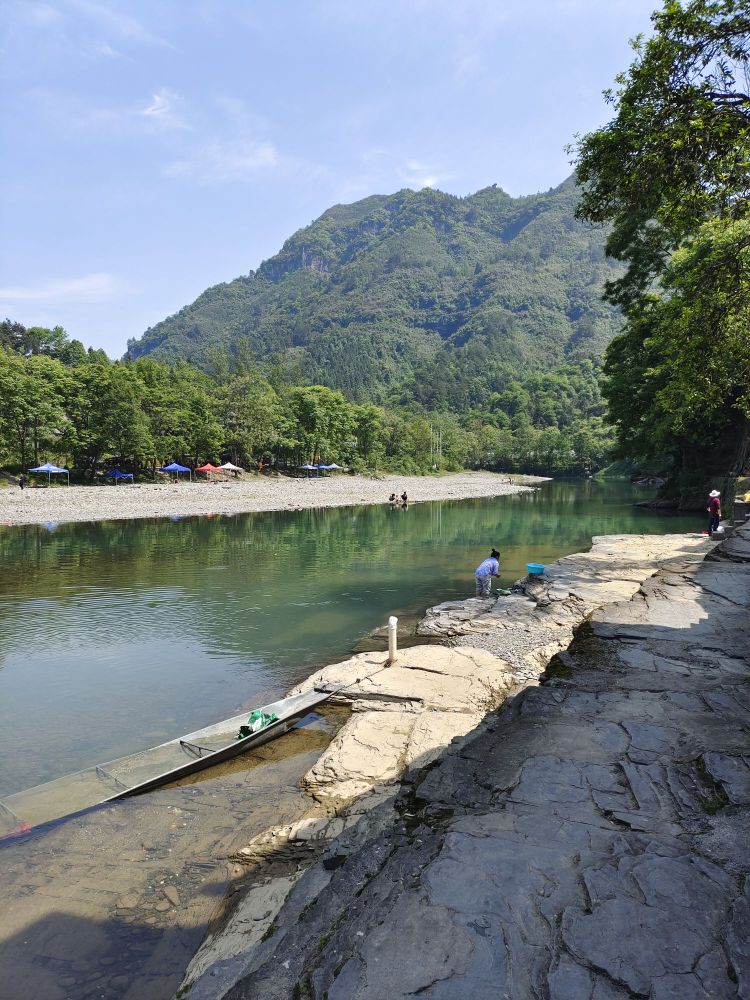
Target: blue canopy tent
{"points": [[51, 469], [177, 469], [308, 468], [117, 476]]}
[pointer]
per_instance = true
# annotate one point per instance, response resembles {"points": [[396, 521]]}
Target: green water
{"points": [[118, 635]]}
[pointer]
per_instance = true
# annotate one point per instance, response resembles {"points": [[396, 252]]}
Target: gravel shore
{"points": [[256, 493]]}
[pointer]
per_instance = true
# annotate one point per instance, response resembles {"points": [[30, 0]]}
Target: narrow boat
{"points": [[285, 714], [152, 768]]}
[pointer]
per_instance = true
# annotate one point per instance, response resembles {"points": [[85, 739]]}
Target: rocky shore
{"points": [[253, 493], [582, 838]]}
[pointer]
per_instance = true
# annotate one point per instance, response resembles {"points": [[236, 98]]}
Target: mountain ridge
{"points": [[377, 292]]}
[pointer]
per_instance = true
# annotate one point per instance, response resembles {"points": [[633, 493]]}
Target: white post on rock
{"points": [[392, 634]]}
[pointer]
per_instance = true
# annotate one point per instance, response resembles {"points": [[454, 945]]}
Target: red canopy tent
{"points": [[207, 468]]}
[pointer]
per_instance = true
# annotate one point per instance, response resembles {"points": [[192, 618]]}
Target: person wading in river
{"points": [[484, 573]]}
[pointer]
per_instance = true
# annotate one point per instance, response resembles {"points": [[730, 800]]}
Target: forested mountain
{"points": [[413, 332], [417, 295]]}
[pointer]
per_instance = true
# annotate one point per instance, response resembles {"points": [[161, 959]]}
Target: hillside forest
{"points": [[62, 403]]}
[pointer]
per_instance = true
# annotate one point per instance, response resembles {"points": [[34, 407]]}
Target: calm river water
{"points": [[118, 635]]}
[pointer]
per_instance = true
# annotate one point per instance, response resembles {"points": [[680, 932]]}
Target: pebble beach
{"points": [[254, 493]]}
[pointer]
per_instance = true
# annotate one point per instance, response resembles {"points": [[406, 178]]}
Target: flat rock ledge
{"points": [[585, 840]]}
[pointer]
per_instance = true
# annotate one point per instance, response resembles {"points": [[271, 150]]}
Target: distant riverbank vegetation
{"points": [[63, 403]]}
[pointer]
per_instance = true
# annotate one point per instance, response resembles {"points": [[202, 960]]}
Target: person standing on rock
{"points": [[485, 571], [714, 510]]}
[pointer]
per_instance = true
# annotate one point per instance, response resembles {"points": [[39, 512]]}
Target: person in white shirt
{"points": [[485, 571]]}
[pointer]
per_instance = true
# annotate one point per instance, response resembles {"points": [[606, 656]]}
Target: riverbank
{"points": [[618, 769], [246, 495]]}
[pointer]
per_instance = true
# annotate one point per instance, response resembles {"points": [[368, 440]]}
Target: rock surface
{"points": [[403, 715], [528, 628], [589, 839]]}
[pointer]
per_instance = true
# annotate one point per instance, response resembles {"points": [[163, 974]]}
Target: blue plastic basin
{"points": [[535, 569]]}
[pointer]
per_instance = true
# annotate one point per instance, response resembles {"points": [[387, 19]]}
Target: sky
{"points": [[152, 148]]}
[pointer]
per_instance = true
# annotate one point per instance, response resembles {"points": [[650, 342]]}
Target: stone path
{"points": [[589, 841]]}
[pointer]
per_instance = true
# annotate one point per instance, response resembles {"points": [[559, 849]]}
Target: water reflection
{"points": [[118, 635]]}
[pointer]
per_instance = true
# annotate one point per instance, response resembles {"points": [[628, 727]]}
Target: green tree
{"points": [[368, 432], [72, 353], [678, 148], [671, 173], [681, 370], [324, 420], [105, 417], [180, 410], [31, 405], [254, 420]]}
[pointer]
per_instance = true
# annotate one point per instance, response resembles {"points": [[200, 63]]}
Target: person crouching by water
{"points": [[404, 499], [393, 499], [485, 571], [713, 509]]}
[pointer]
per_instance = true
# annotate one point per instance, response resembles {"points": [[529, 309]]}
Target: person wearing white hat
{"points": [[714, 510]]}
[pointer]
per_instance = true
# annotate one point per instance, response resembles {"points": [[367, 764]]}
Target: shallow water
{"points": [[118, 635], [112, 903]]}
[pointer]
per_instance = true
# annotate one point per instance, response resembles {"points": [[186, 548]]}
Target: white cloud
{"points": [[90, 288], [115, 21], [106, 50], [225, 160], [162, 110], [419, 175], [383, 172], [70, 113]]}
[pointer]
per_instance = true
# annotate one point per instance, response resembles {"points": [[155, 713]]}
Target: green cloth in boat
{"points": [[258, 720]]}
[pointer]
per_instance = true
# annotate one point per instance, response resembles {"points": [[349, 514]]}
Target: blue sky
{"points": [[151, 149]]}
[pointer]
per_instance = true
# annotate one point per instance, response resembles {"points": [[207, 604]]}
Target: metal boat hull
{"points": [[288, 710]]}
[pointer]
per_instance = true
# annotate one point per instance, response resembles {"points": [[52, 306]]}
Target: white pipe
{"points": [[392, 634]]}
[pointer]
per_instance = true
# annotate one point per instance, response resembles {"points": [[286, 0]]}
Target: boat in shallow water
{"points": [[153, 768], [285, 714]]}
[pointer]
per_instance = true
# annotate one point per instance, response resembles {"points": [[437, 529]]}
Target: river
{"points": [[118, 635]]}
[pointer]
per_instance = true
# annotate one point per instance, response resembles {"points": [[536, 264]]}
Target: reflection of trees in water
{"points": [[162, 552]]}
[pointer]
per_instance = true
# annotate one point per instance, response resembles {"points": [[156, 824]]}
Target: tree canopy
{"points": [[677, 151], [140, 415], [671, 173]]}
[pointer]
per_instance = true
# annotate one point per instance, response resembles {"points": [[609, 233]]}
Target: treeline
{"points": [[60, 402]]}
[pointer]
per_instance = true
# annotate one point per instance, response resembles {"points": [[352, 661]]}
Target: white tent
{"points": [[231, 468]]}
